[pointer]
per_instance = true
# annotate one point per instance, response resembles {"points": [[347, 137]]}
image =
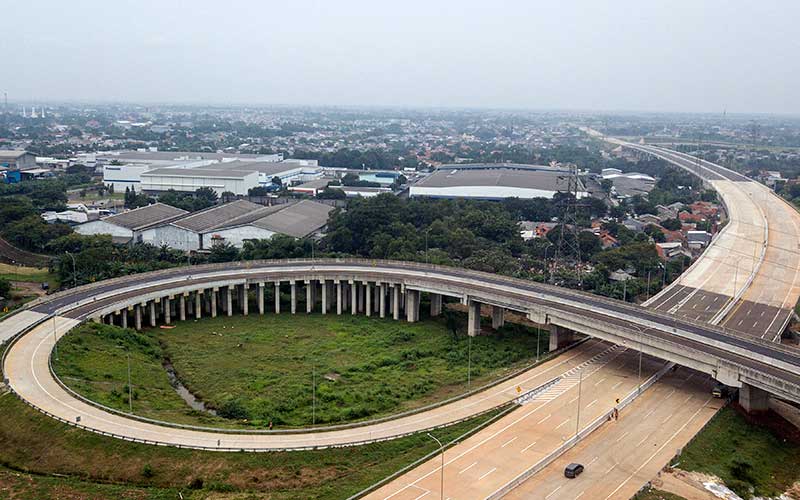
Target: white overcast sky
{"points": [[649, 55]]}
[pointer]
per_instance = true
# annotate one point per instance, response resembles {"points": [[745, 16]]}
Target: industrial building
{"points": [[495, 182], [128, 226], [628, 184], [234, 223], [158, 171]]}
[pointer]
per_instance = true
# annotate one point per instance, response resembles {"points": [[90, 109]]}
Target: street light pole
{"points": [[578, 416], [55, 338], [130, 388], [469, 361], [74, 272], [441, 450]]}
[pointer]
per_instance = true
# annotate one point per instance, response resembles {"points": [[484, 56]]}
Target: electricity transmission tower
{"points": [[568, 248]]}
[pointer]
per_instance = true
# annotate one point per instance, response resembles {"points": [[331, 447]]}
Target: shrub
{"points": [[147, 471]]}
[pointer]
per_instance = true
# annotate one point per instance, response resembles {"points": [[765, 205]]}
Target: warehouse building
{"points": [[495, 182], [129, 226], [192, 179]]}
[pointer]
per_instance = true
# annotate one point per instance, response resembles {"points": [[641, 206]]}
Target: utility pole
{"points": [[569, 247]]}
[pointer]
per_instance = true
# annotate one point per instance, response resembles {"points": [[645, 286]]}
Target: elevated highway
{"points": [[382, 288], [748, 280]]}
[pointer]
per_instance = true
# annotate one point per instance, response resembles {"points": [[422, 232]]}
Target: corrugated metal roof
{"points": [[496, 176], [197, 172], [216, 216], [140, 218], [298, 219], [264, 167], [11, 153]]}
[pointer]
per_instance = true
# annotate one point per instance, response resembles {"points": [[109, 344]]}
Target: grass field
{"points": [[258, 369], [31, 443], [743, 455], [22, 273], [654, 494]]}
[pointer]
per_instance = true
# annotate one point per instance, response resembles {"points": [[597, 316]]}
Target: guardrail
{"points": [[583, 433]]}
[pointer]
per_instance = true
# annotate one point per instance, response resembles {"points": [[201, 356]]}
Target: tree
{"points": [[277, 181], [223, 252], [606, 185], [672, 224], [5, 288]]}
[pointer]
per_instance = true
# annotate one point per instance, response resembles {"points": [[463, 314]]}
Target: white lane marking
{"points": [[545, 418], [509, 442], [643, 440], [483, 476], [590, 404], [527, 447], [600, 381], [666, 419], [573, 399], [593, 460], [659, 449], [562, 423], [612, 468], [621, 437], [649, 413], [424, 494], [616, 385], [552, 493], [473, 464], [580, 494]]}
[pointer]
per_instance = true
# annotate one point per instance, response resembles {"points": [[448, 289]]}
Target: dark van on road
{"points": [[573, 470]]}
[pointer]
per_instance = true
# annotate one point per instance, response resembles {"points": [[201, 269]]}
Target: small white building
{"points": [[191, 179]]}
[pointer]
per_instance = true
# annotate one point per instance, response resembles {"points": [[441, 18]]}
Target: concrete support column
{"points": [[261, 298], [368, 293], [245, 299], [560, 337], [360, 293], [412, 305], [498, 317], [167, 310], [294, 297], [182, 306], [137, 316], [277, 297], [382, 300], [396, 302], [473, 318], [324, 296], [198, 297], [124, 314], [309, 296], [353, 297], [753, 399], [151, 307], [228, 301], [339, 298], [436, 304], [214, 293]]}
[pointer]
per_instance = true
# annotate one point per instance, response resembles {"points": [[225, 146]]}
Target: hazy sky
{"points": [[676, 55]]}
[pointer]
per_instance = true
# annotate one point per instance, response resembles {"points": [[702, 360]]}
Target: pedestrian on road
{"points": [[270, 425], [218, 441]]}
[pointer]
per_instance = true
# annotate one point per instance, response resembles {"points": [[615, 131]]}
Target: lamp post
{"points": [[441, 450], [74, 272]]}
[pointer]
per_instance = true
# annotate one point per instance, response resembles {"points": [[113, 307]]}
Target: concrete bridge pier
{"points": [[228, 301], [214, 293], [753, 399], [260, 298], [137, 315], [353, 297], [198, 297], [277, 297], [396, 302], [293, 306], [245, 299], [498, 317], [124, 315], [368, 297], [165, 302], [309, 296], [473, 318], [560, 337], [338, 297], [324, 297], [412, 305], [382, 300], [436, 304], [152, 309], [181, 306]]}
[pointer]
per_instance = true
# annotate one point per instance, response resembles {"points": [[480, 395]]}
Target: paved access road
{"points": [[29, 374], [488, 460], [622, 456]]}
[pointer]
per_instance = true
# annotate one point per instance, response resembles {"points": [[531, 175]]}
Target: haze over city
{"points": [[676, 56]]}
